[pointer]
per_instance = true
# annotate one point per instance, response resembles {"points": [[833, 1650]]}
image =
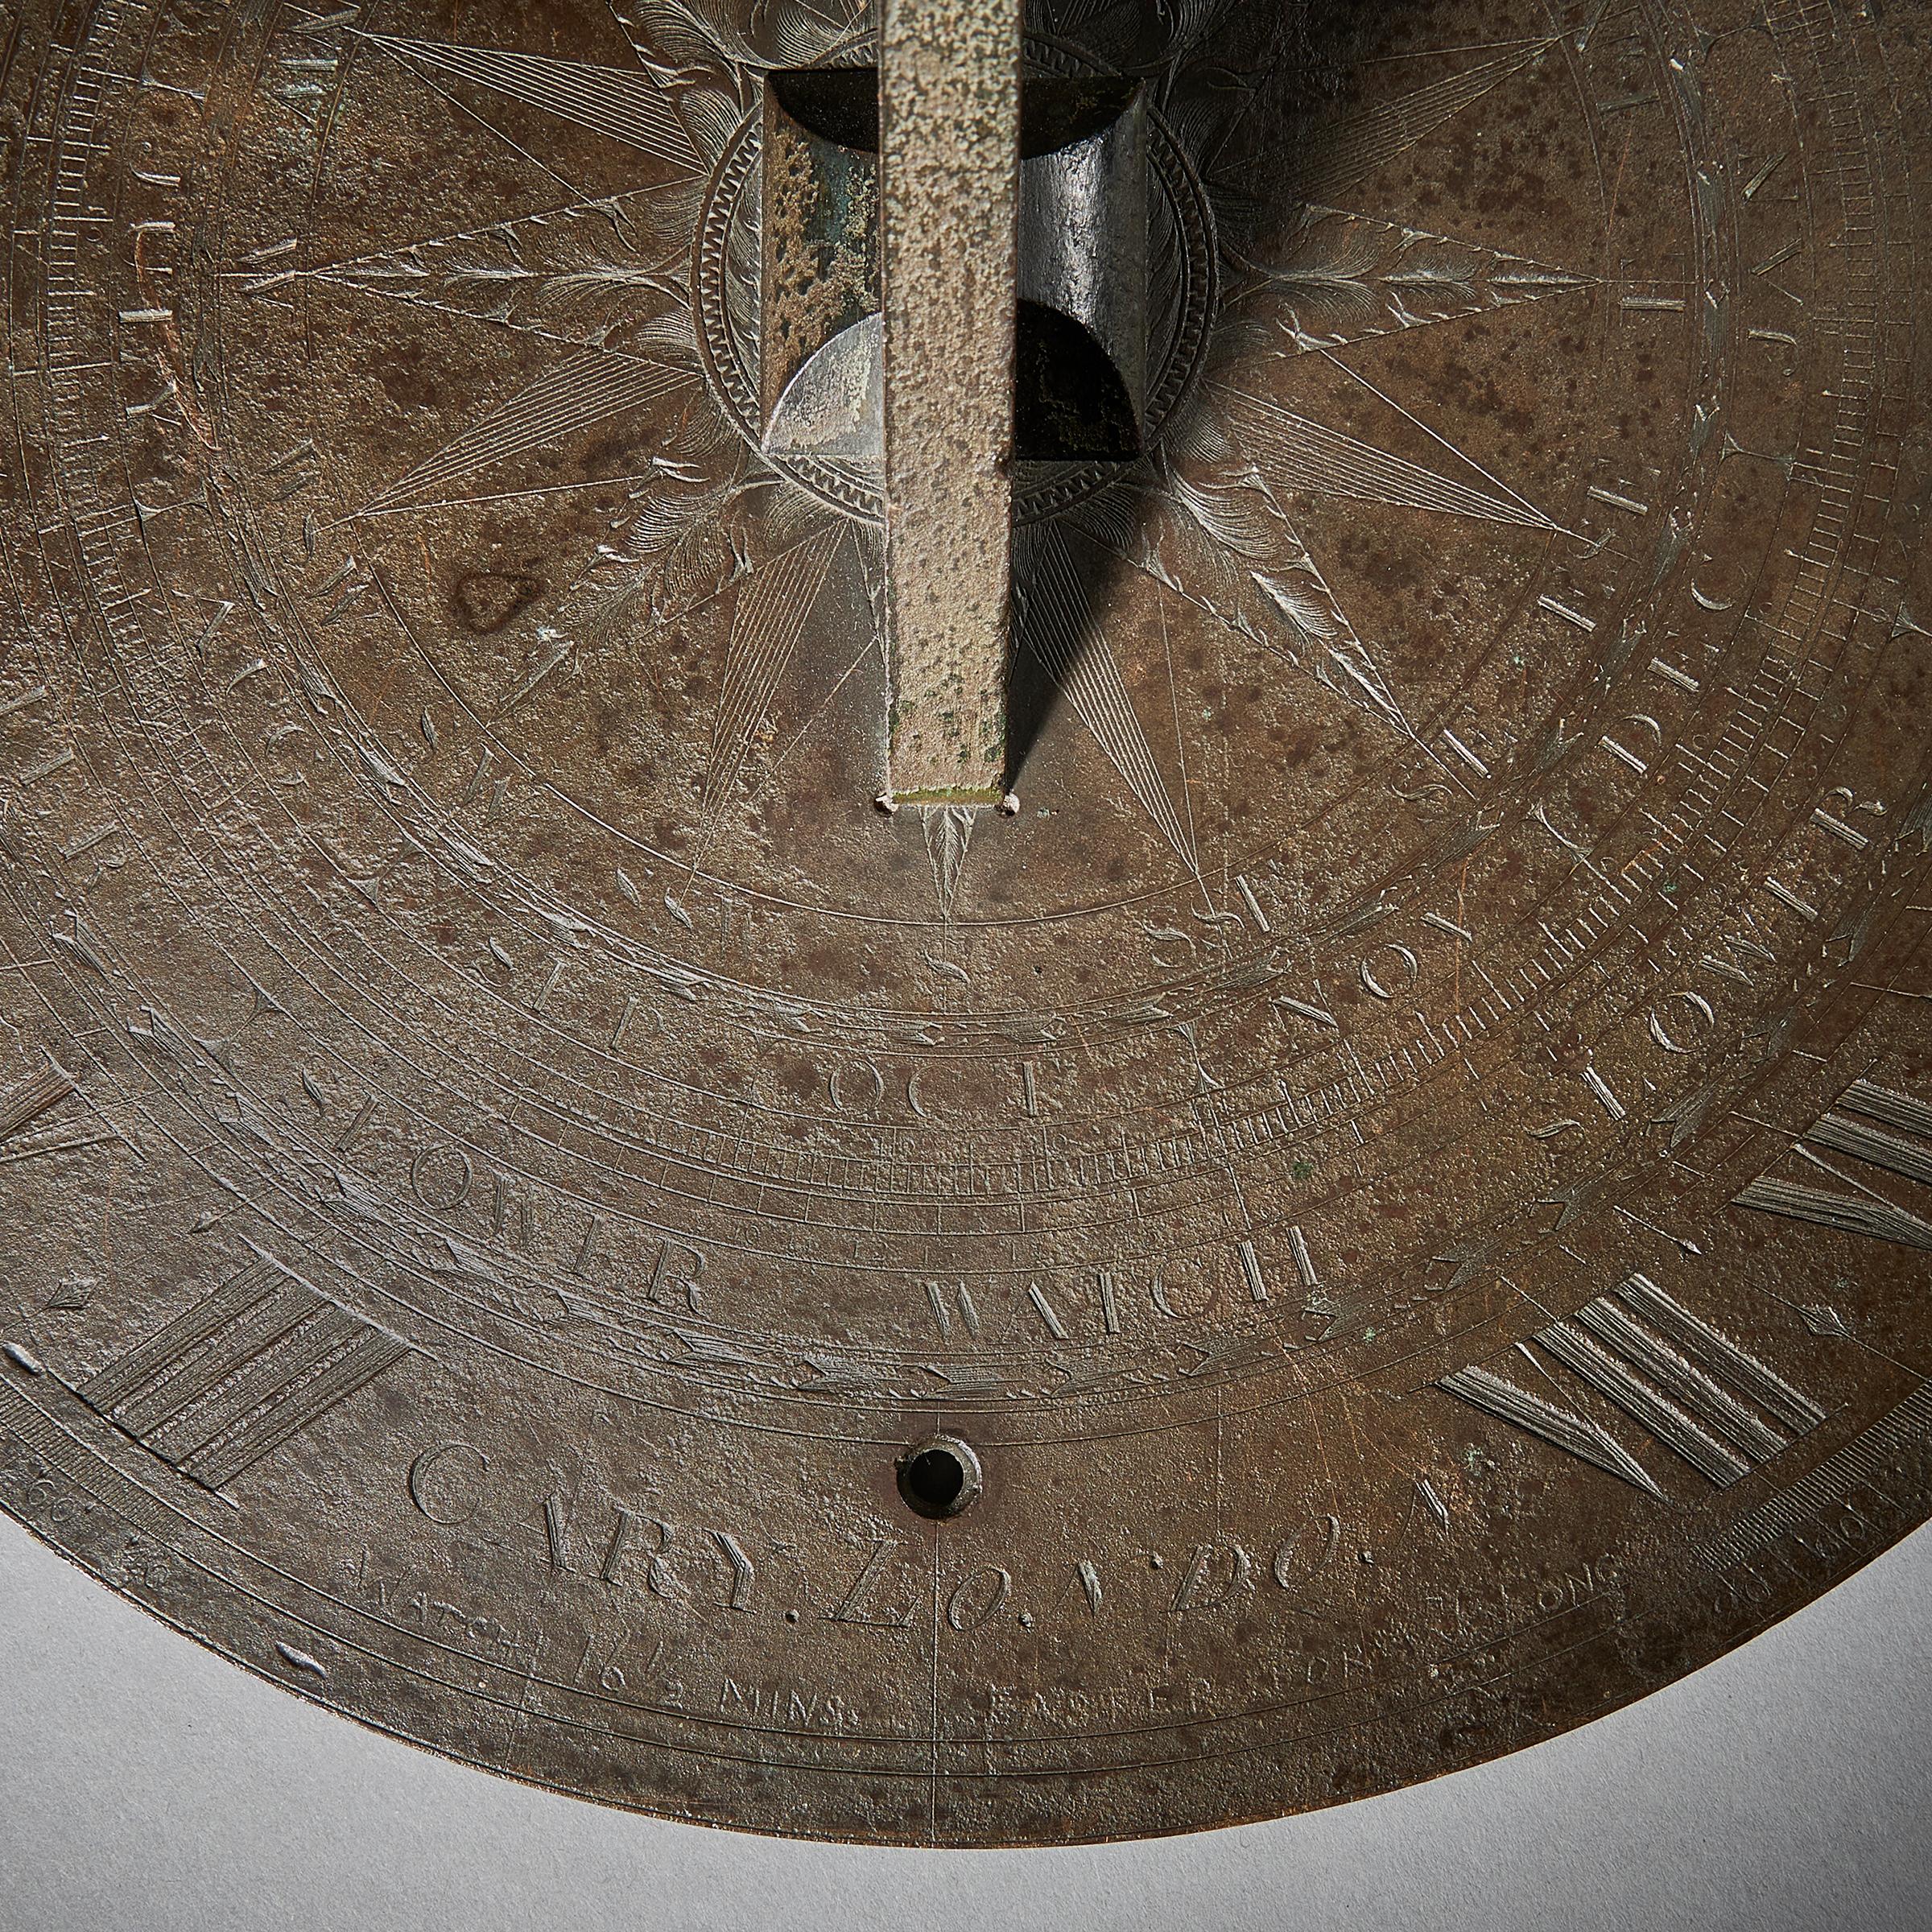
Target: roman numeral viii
{"points": [[1693, 1390], [236, 1375]]}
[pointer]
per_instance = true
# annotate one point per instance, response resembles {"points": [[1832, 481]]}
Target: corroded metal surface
{"points": [[1387, 1210]]}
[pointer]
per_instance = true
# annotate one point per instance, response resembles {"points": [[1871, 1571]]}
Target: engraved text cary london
{"points": [[1402, 1173]]}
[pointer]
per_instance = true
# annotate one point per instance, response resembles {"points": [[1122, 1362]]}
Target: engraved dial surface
{"points": [[1378, 1207]]}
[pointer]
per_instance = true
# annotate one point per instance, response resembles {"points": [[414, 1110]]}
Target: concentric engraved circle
{"points": [[1404, 1165]]}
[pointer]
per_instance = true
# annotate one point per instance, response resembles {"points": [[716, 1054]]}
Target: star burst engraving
{"points": [[1208, 511]]}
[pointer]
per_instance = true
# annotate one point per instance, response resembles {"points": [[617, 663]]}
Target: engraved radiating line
{"points": [[479, 273], [1462, 456], [1293, 453], [1536, 42], [624, 106], [585, 391], [1180, 738], [774, 603], [72, 1140], [512, 496], [574, 189], [873, 646], [1376, 136], [33, 1096], [1068, 642], [1341, 279]]}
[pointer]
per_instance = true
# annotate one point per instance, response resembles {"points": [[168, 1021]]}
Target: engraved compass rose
{"points": [[961, 925], [635, 308]]}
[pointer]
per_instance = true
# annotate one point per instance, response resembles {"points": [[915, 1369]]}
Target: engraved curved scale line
{"points": [[587, 390], [626, 107], [1341, 278], [1292, 453], [1057, 626], [581, 274], [774, 603], [1348, 155]]}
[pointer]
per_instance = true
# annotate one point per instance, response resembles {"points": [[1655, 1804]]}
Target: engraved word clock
{"points": [[964, 926]]}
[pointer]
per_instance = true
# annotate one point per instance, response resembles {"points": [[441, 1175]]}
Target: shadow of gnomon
{"points": [[1247, 93]]}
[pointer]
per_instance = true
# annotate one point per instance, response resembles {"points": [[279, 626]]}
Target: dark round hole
{"points": [[939, 1478], [932, 1481]]}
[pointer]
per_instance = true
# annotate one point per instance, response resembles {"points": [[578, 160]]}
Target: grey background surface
{"points": [[147, 1785]]}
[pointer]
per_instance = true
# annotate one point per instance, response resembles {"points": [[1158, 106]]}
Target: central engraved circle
{"points": [[725, 281]]}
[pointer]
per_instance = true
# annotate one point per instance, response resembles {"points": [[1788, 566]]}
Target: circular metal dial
{"points": [[1377, 1210]]}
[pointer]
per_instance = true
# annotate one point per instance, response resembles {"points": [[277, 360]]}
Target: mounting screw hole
{"points": [[939, 1477]]}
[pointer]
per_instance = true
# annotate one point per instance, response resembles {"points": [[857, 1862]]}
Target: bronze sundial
{"points": [[969, 928]]}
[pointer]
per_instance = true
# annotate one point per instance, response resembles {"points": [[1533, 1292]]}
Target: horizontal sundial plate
{"points": [[1375, 1205]]}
